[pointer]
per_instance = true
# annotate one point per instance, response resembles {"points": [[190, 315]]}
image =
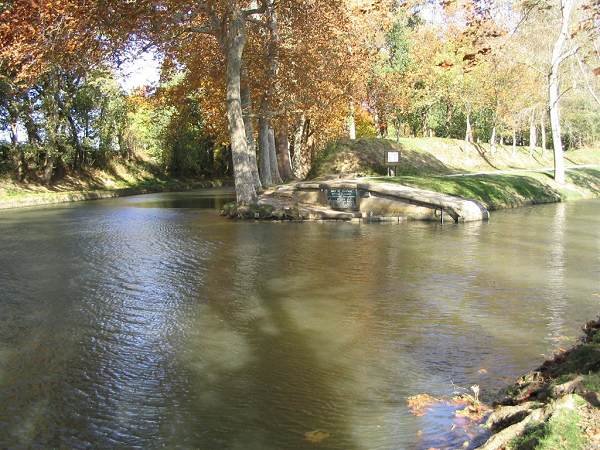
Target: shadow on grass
{"points": [[508, 190], [367, 156], [481, 151], [585, 178]]}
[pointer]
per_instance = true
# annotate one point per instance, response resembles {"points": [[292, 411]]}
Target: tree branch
{"points": [[207, 28], [568, 54], [587, 82]]}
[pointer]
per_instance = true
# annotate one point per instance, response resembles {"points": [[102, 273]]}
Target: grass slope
{"points": [[498, 191], [427, 162], [120, 178], [435, 156]]}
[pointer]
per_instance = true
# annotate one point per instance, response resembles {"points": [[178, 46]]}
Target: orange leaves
{"points": [[419, 404]]}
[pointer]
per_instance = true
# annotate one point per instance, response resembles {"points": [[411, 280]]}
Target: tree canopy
{"points": [[272, 82]]}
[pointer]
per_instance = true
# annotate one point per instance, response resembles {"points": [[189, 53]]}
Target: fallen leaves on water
{"points": [[316, 436], [474, 412], [418, 404]]}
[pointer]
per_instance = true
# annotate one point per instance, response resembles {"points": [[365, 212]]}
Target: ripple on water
{"points": [[148, 327]]}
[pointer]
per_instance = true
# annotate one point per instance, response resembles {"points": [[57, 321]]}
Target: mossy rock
{"points": [[248, 212]]}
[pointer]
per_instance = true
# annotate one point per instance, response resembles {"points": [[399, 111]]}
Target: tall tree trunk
{"points": [[397, 125], [532, 133], [283, 154], [493, 140], [554, 90], [267, 135], [20, 162], [469, 132], [79, 154], [242, 170], [351, 121], [265, 160], [298, 157], [14, 133], [249, 127], [273, 158], [48, 169], [514, 142], [33, 135], [543, 130]]}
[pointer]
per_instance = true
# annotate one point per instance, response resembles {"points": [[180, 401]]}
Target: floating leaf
{"points": [[316, 436], [418, 404]]}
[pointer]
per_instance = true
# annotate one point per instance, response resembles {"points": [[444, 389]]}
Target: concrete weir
{"points": [[355, 199]]}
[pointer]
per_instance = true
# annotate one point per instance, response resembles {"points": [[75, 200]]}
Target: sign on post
{"points": [[393, 157], [342, 198], [392, 160]]}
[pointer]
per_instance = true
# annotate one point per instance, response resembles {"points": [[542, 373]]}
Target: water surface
{"points": [[151, 322]]}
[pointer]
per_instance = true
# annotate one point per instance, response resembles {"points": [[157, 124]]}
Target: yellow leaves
{"points": [[316, 436], [420, 403]]}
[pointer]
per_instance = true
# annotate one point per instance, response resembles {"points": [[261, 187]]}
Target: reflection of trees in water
{"points": [[555, 268], [284, 352]]}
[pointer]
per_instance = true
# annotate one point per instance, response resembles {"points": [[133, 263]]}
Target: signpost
{"points": [[392, 160], [342, 198]]}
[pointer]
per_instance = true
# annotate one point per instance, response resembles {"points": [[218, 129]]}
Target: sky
{"points": [[139, 71]]}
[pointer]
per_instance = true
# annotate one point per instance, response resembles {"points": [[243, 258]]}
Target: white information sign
{"points": [[393, 157]]}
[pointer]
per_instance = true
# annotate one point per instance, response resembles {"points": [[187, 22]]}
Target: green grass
{"points": [[561, 432], [435, 156], [499, 191], [120, 178], [592, 382]]}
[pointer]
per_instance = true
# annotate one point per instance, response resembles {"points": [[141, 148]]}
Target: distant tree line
{"points": [[68, 122]]}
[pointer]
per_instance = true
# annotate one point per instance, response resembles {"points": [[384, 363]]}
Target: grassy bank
{"points": [[555, 406], [510, 178], [509, 190], [119, 179], [436, 156]]}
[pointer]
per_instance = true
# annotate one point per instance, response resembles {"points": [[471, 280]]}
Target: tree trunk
{"points": [[397, 125], [265, 160], [48, 169], [79, 154], [532, 133], [14, 136], [469, 133], [246, 100], [20, 163], [493, 140], [242, 171], [554, 90], [298, 157], [33, 135], [351, 121], [543, 130], [514, 142], [283, 154], [273, 158]]}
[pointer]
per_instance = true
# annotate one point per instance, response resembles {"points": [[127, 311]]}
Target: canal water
{"points": [[152, 322]]}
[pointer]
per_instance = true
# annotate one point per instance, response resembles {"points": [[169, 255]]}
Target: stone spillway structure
{"points": [[363, 199]]}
